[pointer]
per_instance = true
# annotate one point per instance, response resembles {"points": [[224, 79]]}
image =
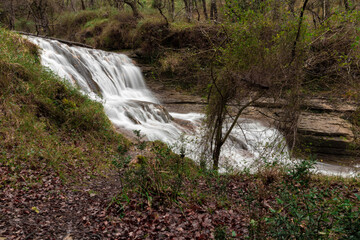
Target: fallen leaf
{"points": [[35, 209]]}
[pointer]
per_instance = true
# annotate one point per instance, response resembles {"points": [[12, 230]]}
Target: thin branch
{"points": [[293, 52], [237, 117]]}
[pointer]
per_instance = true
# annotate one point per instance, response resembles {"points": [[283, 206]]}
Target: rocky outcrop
{"points": [[323, 127], [325, 133]]}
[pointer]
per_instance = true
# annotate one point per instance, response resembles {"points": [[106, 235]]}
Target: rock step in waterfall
{"points": [[114, 80]]}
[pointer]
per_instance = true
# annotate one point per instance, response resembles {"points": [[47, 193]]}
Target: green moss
{"points": [[95, 22]]}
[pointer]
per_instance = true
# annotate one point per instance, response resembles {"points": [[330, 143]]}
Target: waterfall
{"points": [[114, 80]]}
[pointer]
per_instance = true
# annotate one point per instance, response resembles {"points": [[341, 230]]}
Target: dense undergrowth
{"points": [[47, 125], [101, 28], [278, 202]]}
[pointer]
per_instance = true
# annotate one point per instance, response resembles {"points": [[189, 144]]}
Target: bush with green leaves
{"points": [[314, 213], [155, 173], [301, 209]]}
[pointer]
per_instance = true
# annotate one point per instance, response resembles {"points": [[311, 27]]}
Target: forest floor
{"points": [[228, 207], [53, 210]]}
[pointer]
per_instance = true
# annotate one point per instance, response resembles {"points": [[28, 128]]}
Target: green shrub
{"points": [[155, 178], [70, 23], [25, 25], [105, 28], [295, 206]]}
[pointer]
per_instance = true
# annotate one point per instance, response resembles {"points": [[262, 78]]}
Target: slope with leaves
{"points": [[46, 125]]}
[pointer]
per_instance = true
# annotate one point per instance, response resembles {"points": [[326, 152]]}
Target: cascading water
{"points": [[114, 80]]}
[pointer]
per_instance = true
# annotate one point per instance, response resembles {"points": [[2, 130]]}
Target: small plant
{"points": [[120, 202], [141, 144], [301, 171], [122, 160], [220, 233]]}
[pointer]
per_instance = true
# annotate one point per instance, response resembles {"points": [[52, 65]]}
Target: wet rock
{"points": [[146, 110], [238, 142], [330, 125], [325, 133], [322, 125], [325, 105]]}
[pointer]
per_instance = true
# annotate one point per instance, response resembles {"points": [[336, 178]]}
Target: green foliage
{"points": [[314, 214], [156, 177], [301, 209], [70, 23], [301, 172], [25, 25], [149, 35], [261, 43], [221, 233], [105, 28]]}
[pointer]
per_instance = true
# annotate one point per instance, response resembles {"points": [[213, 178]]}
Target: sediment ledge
{"points": [[70, 43]]}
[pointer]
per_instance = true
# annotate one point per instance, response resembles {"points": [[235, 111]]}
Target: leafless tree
{"points": [[188, 10], [213, 11], [7, 12], [204, 9], [160, 5]]}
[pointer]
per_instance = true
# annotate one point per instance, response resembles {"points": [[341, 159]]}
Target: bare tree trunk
{"points": [[196, 9], [160, 5], [314, 19], [326, 9], [217, 150], [213, 11], [11, 16], [83, 7], [346, 4], [293, 52], [71, 4], [133, 5], [188, 10], [172, 9], [39, 10], [204, 9]]}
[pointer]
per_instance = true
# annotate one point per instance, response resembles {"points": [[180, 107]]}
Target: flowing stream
{"points": [[114, 80]]}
